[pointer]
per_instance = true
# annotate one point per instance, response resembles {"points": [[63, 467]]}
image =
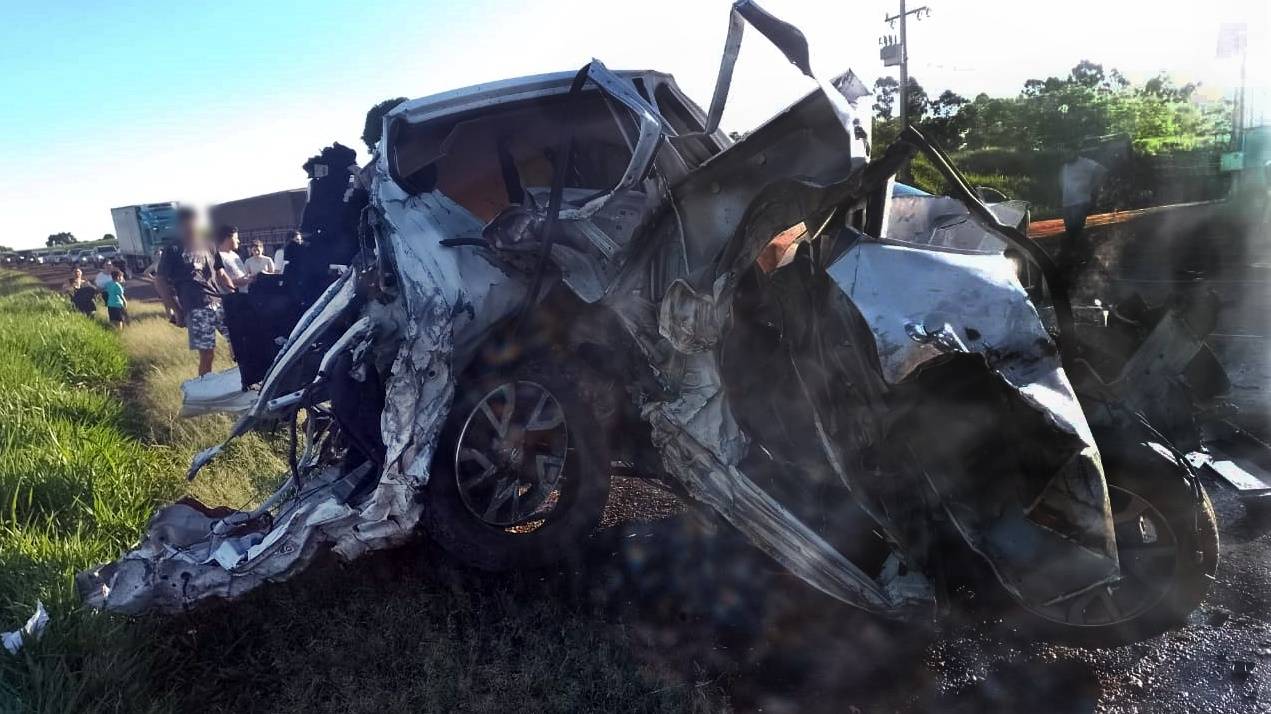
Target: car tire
{"points": [[582, 486], [1140, 474]]}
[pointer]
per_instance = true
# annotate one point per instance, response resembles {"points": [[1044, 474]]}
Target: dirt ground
{"points": [[708, 606], [55, 277]]}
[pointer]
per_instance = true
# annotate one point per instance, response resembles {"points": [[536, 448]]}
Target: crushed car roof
{"points": [[487, 94]]}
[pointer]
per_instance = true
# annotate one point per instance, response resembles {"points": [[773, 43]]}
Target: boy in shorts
{"points": [[116, 303]]}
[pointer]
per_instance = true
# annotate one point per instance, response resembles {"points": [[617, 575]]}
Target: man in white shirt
{"points": [[228, 259], [1079, 180], [103, 278]]}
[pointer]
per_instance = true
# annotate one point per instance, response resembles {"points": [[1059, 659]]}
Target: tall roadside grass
{"points": [[160, 360], [90, 445], [75, 489], [74, 486]]}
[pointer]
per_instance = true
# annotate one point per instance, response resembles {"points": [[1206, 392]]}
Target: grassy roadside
{"points": [[89, 444], [159, 362], [75, 489]]}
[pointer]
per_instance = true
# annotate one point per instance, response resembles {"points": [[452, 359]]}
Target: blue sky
{"points": [[108, 104]]}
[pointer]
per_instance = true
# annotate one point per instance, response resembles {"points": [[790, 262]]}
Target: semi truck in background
{"points": [[269, 218], [142, 230]]}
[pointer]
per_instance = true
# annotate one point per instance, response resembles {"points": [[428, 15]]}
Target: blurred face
{"points": [[189, 231], [230, 243], [77, 274], [257, 249]]}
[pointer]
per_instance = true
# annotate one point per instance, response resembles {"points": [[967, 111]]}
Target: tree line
{"points": [[1068, 112], [1160, 145]]}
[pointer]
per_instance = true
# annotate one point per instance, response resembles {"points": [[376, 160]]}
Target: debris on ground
{"points": [[32, 630]]}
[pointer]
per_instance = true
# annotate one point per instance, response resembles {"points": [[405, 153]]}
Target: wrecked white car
{"points": [[558, 273]]}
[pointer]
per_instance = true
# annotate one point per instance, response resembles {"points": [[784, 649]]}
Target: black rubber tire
{"points": [[1157, 479], [584, 491]]}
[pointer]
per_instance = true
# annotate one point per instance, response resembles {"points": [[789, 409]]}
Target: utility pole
{"points": [[1233, 39], [893, 54], [1244, 86]]}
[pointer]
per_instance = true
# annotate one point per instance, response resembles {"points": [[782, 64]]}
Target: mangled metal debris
{"points": [[32, 630], [554, 273]]}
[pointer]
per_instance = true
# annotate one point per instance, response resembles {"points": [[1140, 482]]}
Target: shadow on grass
{"points": [[408, 630], [653, 616]]}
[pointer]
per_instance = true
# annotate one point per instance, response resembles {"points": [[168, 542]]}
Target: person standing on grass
{"points": [[258, 263], [280, 255], [82, 293], [186, 280], [75, 281], [102, 278], [116, 303], [1079, 180], [229, 261]]}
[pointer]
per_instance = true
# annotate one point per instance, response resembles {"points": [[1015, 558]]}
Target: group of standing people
{"points": [[193, 274], [109, 284]]}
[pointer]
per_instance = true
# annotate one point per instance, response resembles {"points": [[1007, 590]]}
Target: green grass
{"points": [[67, 463], [160, 361], [75, 488], [90, 444]]}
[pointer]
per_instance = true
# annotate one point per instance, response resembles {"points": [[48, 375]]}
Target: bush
{"points": [[922, 174]]}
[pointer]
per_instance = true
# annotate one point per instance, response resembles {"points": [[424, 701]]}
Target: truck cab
{"points": [[143, 230]]}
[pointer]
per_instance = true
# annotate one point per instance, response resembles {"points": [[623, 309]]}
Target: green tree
{"points": [[887, 127], [108, 236], [916, 98], [947, 122], [1163, 88], [991, 121], [63, 238], [374, 125], [1087, 74], [885, 89]]}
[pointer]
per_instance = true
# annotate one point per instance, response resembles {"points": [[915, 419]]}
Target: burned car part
{"points": [[1153, 361], [516, 227]]}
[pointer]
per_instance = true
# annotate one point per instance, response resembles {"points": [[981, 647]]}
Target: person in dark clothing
{"points": [[280, 256], [82, 293], [186, 280]]}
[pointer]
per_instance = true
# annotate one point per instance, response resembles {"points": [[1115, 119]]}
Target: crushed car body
{"points": [[530, 303]]}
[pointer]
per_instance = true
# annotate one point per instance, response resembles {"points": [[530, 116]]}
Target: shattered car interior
{"points": [[537, 278]]}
